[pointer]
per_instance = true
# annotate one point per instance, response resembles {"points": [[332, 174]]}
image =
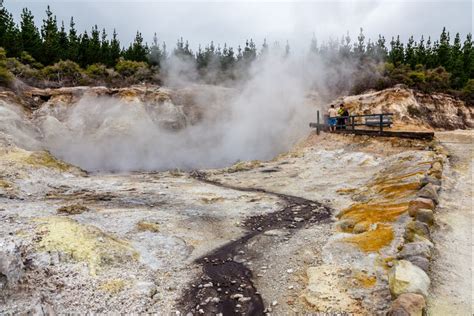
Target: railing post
{"points": [[317, 122], [381, 123]]}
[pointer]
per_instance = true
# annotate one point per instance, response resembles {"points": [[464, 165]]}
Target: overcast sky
{"points": [[233, 22]]}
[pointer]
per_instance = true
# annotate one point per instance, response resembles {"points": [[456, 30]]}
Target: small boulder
{"points": [[361, 227], [430, 179], [418, 203], [346, 224], [425, 216], [420, 262], [436, 170], [414, 228], [11, 265], [421, 249], [409, 304], [429, 191], [405, 277]]}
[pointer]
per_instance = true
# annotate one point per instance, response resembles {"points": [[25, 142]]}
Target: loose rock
{"points": [[425, 216], [429, 191], [415, 228], [415, 249], [405, 277], [408, 304], [421, 262], [11, 265]]}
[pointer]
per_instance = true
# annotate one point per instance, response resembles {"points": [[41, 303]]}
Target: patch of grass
{"points": [[72, 209], [244, 166], [148, 226], [113, 286]]}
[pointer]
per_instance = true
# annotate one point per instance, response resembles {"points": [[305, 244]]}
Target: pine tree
{"points": [[10, 37], [345, 48], [104, 49], [443, 50], [359, 49], [73, 39], [240, 55], [114, 50], [49, 33], [83, 58], [228, 59], [468, 57], [456, 66], [264, 49], [63, 43], [420, 52], [380, 49], [313, 46], [155, 55], [93, 49], [410, 58], [30, 35]]}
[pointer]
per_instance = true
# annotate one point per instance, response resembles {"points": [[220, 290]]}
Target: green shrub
{"points": [[97, 71], [129, 68], [417, 77], [6, 78], [438, 79], [468, 92], [22, 71], [27, 59], [64, 71]]}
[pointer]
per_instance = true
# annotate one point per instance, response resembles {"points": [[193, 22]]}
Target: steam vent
{"points": [[223, 179]]}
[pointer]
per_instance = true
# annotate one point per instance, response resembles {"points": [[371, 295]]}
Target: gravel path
{"points": [[452, 291]]}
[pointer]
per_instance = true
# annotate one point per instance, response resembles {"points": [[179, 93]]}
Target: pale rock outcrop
{"points": [[405, 277]]}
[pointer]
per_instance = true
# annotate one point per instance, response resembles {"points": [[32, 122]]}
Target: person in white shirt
{"points": [[332, 113]]}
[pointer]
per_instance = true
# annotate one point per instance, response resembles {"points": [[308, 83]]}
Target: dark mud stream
{"points": [[225, 286]]}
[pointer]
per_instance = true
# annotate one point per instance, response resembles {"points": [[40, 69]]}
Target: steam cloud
{"points": [[260, 118]]}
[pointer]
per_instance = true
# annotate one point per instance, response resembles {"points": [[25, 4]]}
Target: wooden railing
{"points": [[351, 121], [375, 124]]}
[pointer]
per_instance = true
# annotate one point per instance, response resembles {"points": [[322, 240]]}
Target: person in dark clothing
{"points": [[341, 120], [345, 114]]}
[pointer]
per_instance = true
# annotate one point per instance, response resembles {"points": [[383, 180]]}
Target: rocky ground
{"points": [[337, 224]]}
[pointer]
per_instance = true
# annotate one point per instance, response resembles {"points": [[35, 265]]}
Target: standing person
{"points": [[345, 115], [340, 119], [332, 113]]}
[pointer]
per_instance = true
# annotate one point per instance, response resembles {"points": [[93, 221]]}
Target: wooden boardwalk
{"points": [[371, 120]]}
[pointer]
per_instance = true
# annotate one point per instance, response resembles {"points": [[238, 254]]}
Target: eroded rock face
{"points": [[416, 109]]}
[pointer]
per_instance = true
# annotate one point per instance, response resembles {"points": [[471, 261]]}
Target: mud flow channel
{"points": [[225, 286]]}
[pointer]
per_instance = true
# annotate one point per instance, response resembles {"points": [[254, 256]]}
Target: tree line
{"points": [[410, 62]]}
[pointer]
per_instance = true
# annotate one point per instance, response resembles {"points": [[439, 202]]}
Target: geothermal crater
{"points": [[278, 219]]}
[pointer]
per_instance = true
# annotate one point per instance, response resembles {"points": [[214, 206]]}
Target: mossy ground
{"points": [[83, 243], [45, 159]]}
